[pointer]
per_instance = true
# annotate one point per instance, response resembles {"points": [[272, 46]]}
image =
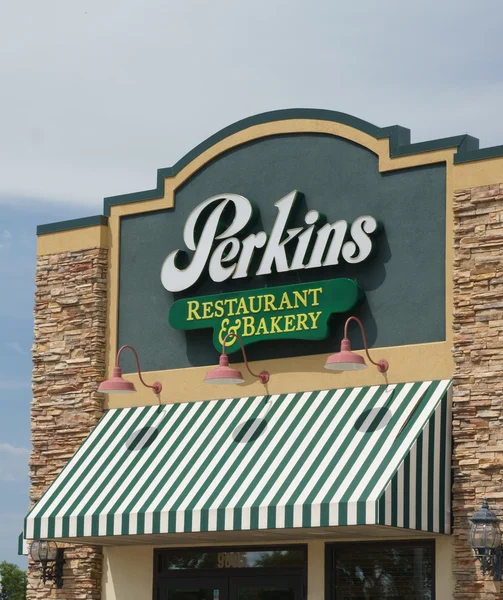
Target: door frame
{"points": [[228, 574]]}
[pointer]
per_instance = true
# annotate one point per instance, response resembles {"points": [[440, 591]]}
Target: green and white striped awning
{"points": [[376, 455]]}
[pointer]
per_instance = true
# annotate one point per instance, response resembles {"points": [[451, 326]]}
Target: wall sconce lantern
{"points": [[485, 540], [345, 360], [118, 385], [224, 374], [51, 560]]}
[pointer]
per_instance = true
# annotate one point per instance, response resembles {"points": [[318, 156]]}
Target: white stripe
{"points": [[126, 475], [281, 451], [425, 491], [169, 456], [295, 464], [364, 475], [220, 440], [387, 504], [230, 447], [187, 452], [412, 486], [273, 490], [358, 461], [408, 440], [263, 458], [87, 488], [249, 464], [400, 494], [308, 461], [382, 455], [436, 469], [163, 452], [356, 412]]}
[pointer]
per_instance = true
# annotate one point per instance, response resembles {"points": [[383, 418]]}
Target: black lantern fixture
{"points": [[485, 540], [51, 559]]}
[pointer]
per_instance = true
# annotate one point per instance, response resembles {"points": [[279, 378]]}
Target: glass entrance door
{"points": [[238, 573], [266, 588], [199, 588], [238, 588]]}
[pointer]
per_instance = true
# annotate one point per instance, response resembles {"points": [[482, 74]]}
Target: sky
{"points": [[96, 95]]}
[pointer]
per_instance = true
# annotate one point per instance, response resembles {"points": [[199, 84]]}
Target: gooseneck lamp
{"points": [[224, 374], [118, 385], [345, 360], [51, 560], [485, 539]]}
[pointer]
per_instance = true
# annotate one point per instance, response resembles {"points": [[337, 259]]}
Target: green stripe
{"points": [[368, 462], [406, 491], [442, 473], [431, 470], [119, 491], [202, 431], [259, 447], [132, 419], [189, 423], [215, 431], [410, 424], [105, 491], [419, 482], [226, 459], [394, 501]]}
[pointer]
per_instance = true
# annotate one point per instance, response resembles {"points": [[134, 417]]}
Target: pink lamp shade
{"points": [[345, 360], [117, 384], [223, 373]]}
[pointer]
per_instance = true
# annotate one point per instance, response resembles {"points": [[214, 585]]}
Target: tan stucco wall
{"points": [[128, 571]]}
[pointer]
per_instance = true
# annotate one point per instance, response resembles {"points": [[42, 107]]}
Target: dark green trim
{"points": [[399, 143], [72, 224], [20, 544], [478, 154]]}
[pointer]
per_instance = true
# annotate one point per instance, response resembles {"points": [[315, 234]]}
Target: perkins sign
{"points": [[221, 249]]}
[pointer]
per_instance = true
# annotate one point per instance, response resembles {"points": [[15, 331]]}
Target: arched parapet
{"points": [[391, 145]]}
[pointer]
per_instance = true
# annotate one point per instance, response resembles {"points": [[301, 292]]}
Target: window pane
{"points": [[382, 571], [232, 559]]}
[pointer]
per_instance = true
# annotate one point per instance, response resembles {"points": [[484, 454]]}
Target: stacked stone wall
{"points": [[478, 380], [68, 362]]}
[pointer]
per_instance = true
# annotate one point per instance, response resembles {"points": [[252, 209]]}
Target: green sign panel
{"points": [[299, 311]]}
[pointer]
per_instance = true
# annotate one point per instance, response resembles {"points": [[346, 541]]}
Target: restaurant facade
{"points": [[275, 376]]}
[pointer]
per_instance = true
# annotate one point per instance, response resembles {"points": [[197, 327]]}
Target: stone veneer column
{"points": [[68, 361], [478, 379]]}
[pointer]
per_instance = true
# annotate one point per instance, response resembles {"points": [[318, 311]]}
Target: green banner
{"points": [[299, 311]]}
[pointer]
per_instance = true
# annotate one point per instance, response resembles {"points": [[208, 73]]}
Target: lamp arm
{"points": [[263, 376], [157, 387], [382, 365]]}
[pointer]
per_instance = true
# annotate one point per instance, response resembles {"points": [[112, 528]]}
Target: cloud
{"points": [[14, 384], [16, 347], [90, 135], [13, 463], [5, 239]]}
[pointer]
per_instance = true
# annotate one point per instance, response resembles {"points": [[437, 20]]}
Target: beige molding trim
{"points": [[72, 240], [420, 362]]}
